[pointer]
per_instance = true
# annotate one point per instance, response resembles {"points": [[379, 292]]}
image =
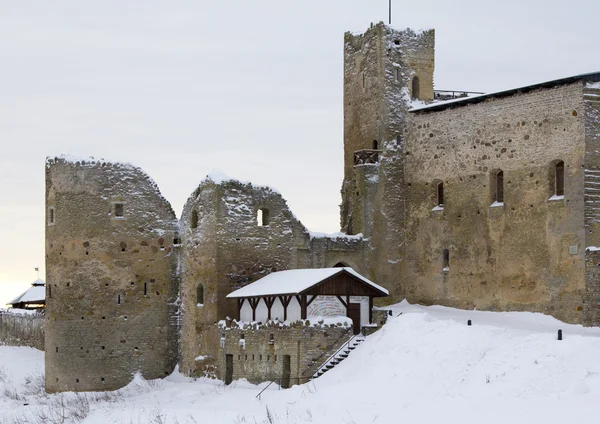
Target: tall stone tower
{"points": [[111, 289], [383, 70]]}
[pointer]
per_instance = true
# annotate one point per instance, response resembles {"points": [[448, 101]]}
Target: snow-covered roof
{"points": [[296, 281], [34, 294], [592, 77]]}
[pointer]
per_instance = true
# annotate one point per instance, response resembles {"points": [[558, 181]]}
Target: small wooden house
{"points": [[32, 298], [304, 293]]}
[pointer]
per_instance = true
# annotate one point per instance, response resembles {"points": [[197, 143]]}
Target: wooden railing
{"points": [[366, 156], [453, 94]]}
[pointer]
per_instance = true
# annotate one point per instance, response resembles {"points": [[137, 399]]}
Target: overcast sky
{"points": [[249, 88]]}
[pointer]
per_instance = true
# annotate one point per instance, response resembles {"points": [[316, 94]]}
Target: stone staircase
{"points": [[341, 354]]}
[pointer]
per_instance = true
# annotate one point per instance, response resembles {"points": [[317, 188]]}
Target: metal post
{"points": [[390, 12], [469, 322], [559, 334]]}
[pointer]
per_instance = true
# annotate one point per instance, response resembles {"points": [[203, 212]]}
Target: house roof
{"points": [[296, 281], [434, 107], [34, 294]]}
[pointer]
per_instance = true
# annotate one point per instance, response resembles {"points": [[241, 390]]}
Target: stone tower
{"points": [[383, 70], [111, 257]]}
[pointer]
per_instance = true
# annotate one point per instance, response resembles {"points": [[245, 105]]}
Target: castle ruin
{"points": [[489, 201]]}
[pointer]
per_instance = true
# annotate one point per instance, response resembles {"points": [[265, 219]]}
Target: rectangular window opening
{"points": [[119, 210], [51, 215]]}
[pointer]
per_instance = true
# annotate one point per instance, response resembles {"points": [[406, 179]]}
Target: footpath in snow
{"points": [[426, 365]]}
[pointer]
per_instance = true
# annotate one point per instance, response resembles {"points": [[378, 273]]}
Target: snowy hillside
{"points": [[426, 365]]}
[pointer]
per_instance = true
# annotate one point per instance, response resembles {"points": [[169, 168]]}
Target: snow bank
{"points": [[426, 365]]}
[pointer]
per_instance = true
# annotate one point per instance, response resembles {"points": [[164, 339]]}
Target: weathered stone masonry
{"points": [[126, 280], [111, 280]]}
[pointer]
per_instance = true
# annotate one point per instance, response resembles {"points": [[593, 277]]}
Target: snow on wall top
{"points": [[218, 177], [314, 234], [295, 281], [416, 32], [91, 162]]}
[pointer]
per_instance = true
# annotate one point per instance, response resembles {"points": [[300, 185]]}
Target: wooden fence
{"points": [[21, 329]]}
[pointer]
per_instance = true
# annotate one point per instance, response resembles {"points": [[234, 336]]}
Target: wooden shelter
{"points": [[32, 298], [301, 293]]}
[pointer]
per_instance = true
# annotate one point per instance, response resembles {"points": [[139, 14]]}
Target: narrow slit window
{"points": [[262, 217], [416, 89], [194, 219], [119, 210], [51, 215], [397, 74], [145, 289], [446, 260], [497, 187], [118, 299], [500, 187], [200, 294], [440, 194], [375, 145], [559, 179]]}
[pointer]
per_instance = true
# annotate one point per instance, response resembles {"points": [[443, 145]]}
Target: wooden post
{"points": [[370, 309], [285, 301]]}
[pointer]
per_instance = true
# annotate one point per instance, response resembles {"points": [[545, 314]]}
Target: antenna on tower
{"points": [[390, 12]]}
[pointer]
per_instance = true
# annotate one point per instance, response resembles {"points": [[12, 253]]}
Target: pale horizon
{"points": [[250, 90]]}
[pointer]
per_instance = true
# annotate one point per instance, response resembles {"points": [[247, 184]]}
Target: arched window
{"points": [[416, 89], [497, 186], [375, 145], [194, 219], [262, 217], [440, 194], [446, 260], [200, 294], [559, 178]]}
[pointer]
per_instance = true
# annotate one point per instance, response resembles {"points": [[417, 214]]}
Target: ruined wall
{"points": [[22, 329], [527, 254], [228, 249], [379, 66], [260, 356], [591, 303], [111, 285]]}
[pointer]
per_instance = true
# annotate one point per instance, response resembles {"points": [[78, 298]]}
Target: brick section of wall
{"points": [[111, 284], [258, 360], [22, 330]]}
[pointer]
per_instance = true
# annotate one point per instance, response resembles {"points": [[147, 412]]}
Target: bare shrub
{"points": [[12, 394], [3, 375], [34, 384]]}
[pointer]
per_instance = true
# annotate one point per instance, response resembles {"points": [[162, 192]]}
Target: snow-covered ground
{"points": [[426, 365]]}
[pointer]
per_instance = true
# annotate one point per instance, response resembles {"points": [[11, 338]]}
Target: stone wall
{"points": [[379, 66], [527, 254], [591, 303], [18, 329], [259, 357], [111, 286], [224, 248]]}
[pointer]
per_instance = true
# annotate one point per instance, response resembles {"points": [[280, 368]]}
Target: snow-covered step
{"points": [[339, 356]]}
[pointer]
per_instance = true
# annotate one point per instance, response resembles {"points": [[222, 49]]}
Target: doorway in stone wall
{"points": [[228, 369], [354, 315], [286, 372]]}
